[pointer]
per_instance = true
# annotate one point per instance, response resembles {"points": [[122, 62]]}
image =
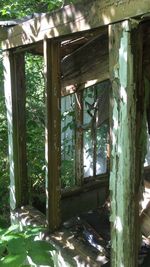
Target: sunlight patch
{"points": [[118, 225]]}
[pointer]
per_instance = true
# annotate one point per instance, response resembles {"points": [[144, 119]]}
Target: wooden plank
{"points": [[102, 182], [3, 33], [146, 50], [79, 138], [14, 73], [90, 62], [53, 132], [128, 128], [74, 18]]}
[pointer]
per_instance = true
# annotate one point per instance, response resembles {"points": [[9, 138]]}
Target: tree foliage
{"points": [[35, 127], [21, 8]]}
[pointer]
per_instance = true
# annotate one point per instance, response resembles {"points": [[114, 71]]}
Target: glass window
{"points": [[68, 141], [94, 129], [95, 125]]}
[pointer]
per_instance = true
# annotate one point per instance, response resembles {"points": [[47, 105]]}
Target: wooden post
{"points": [[14, 82], [127, 121], [53, 132], [79, 138]]}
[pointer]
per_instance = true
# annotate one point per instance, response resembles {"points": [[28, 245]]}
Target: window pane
{"points": [[88, 113], [67, 141], [102, 126], [95, 128], [88, 154], [88, 109], [101, 149]]}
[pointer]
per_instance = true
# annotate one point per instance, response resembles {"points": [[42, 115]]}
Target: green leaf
{"points": [[10, 237], [2, 231], [33, 231], [12, 260], [41, 246], [65, 128], [11, 229], [41, 257], [17, 246], [2, 250]]}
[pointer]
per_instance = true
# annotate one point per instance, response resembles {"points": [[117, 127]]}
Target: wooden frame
{"points": [[79, 138], [14, 73], [127, 151], [53, 128], [80, 180]]}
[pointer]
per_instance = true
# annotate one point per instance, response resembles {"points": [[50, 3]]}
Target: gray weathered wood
{"points": [[127, 147], [14, 73], [79, 138], [146, 50], [89, 62], [3, 33], [74, 18], [53, 136]]}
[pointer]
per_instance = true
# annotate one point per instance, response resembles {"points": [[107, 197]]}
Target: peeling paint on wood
{"points": [[126, 149]]}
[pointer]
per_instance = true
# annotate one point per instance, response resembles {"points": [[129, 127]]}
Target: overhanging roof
{"points": [[74, 18]]}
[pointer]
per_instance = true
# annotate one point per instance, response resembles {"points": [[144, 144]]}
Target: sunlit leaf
{"points": [[40, 246], [17, 246], [13, 260], [11, 229], [41, 258]]}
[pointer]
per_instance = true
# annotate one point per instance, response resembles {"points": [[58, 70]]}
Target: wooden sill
{"points": [[101, 181]]}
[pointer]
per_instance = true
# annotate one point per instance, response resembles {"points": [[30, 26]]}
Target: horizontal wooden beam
{"points": [[3, 33], [83, 16], [101, 182]]}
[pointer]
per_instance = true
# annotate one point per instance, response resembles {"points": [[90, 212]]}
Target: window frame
{"points": [[80, 180]]}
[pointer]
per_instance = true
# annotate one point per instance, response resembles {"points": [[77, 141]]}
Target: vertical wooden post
{"points": [[14, 82], [79, 138], [127, 127], [53, 132]]}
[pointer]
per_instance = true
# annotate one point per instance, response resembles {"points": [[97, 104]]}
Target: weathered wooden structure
{"points": [[84, 44]]}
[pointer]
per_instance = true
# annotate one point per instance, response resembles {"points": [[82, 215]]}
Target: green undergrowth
{"points": [[21, 248]]}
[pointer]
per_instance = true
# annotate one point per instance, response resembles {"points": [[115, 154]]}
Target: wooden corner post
{"points": [[127, 120], [14, 83], [53, 132]]}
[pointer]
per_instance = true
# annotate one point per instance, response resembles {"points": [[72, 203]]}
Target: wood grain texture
{"points": [[83, 16], [53, 135], [79, 138], [89, 62], [128, 125], [14, 73]]}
